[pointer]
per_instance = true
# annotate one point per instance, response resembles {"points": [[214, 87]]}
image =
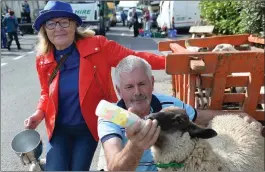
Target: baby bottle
{"points": [[115, 114]]}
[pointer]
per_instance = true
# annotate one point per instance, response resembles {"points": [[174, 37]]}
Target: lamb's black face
{"points": [[174, 119], [171, 119]]}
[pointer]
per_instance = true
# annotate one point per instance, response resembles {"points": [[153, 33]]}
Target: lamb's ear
{"points": [[203, 133]]}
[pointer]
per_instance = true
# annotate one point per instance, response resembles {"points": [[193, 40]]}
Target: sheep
{"points": [[229, 144], [202, 100]]}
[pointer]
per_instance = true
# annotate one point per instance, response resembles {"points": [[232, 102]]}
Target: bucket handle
{"points": [[21, 158]]}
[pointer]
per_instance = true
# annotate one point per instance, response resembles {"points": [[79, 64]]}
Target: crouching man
{"points": [[129, 149]]}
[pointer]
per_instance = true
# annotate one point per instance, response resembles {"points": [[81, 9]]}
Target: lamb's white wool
{"points": [[238, 145], [171, 142], [197, 155], [239, 142], [224, 47]]}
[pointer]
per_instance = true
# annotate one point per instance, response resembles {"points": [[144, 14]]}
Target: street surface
{"points": [[20, 90]]}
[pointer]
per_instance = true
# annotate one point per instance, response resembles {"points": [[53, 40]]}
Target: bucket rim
{"points": [[22, 132]]}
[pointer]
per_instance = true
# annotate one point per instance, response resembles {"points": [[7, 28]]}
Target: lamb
{"points": [[202, 101], [229, 144]]}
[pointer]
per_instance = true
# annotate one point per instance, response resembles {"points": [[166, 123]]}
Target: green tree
{"points": [[222, 14], [233, 17], [252, 16]]}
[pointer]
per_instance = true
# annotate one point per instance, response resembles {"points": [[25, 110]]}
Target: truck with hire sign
{"points": [[93, 15]]}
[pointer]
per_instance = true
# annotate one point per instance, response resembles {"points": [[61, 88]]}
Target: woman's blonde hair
{"points": [[44, 45]]}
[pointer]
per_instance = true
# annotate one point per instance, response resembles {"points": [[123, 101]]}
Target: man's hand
{"points": [[143, 134]]}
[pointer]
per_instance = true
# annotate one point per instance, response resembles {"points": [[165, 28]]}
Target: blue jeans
{"points": [[71, 148]]}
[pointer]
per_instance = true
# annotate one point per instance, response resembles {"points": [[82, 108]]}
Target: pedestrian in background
{"points": [[135, 23], [26, 11], [11, 24], [123, 17], [147, 20], [3, 34], [74, 69]]}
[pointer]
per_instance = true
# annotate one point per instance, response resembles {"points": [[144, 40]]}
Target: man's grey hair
{"points": [[128, 64]]}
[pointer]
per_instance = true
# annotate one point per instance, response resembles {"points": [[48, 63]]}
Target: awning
{"points": [[111, 5]]}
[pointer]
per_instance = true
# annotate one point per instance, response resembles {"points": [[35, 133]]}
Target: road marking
{"points": [[19, 57], [3, 64]]}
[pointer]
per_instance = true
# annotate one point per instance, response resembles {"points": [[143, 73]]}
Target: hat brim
{"points": [[54, 14]]}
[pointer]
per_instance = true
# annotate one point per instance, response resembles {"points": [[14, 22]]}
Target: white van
{"points": [[178, 14], [89, 12]]}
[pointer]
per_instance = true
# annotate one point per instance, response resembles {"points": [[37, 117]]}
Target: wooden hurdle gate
{"points": [[185, 66]]}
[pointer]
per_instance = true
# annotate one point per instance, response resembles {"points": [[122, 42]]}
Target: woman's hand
{"points": [[34, 120]]}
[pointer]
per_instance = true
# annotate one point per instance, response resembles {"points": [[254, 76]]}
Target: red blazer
{"points": [[97, 56]]}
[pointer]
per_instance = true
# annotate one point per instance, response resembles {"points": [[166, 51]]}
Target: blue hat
{"points": [[54, 9]]}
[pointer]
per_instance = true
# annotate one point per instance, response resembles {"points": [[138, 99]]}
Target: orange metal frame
{"points": [[220, 64]]}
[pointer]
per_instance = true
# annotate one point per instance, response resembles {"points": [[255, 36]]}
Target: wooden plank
{"points": [[219, 83], [236, 81], [177, 48], [173, 85], [165, 45], [210, 42], [176, 83], [191, 90], [201, 29], [180, 63], [234, 97], [257, 40], [180, 79], [185, 86], [197, 65], [231, 81], [256, 80], [258, 115], [184, 89], [261, 99], [180, 88]]}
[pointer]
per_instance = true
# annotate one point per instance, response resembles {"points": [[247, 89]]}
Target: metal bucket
{"points": [[28, 146]]}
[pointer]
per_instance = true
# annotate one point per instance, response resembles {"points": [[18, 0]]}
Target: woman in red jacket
{"points": [[70, 94]]}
